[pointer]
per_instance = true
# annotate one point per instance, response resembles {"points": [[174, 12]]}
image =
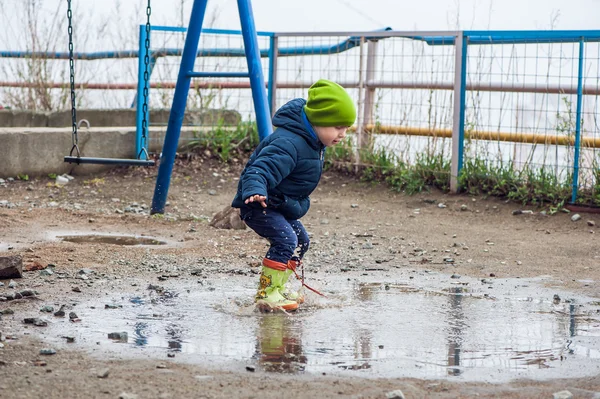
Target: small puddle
{"points": [[111, 239], [425, 328]]}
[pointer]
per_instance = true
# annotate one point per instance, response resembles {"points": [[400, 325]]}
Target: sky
{"points": [[340, 15]]}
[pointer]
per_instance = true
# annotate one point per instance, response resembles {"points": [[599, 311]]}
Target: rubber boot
{"points": [[286, 292], [269, 295]]}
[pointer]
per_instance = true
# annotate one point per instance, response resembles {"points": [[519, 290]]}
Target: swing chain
{"points": [[146, 83], [72, 78]]}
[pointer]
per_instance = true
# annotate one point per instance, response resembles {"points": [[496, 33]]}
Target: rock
{"points": [[591, 223], [103, 373], [35, 321], [455, 276], [575, 217], [33, 266], [12, 284], [47, 351], [353, 206], [60, 312], [212, 192], [11, 266], [119, 336], [46, 272], [324, 221], [556, 299], [228, 218], [125, 395], [7, 311], [76, 289], [397, 394], [70, 339], [27, 293], [86, 271], [442, 205], [367, 245], [464, 207], [562, 395], [112, 306], [251, 368], [47, 309], [73, 316]]}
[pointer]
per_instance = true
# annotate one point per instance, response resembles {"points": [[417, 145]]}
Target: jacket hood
{"points": [[289, 117]]}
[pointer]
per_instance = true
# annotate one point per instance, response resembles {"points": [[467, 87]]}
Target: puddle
{"points": [[111, 239], [428, 327]]}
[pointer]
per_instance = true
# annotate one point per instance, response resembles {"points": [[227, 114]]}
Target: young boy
{"points": [[274, 187]]}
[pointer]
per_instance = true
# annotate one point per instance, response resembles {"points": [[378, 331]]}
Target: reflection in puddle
{"points": [[111, 239], [377, 330]]}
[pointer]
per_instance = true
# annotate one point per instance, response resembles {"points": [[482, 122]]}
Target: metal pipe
{"points": [[513, 137], [486, 87], [163, 180], [458, 127], [257, 81], [272, 83], [141, 86], [578, 123]]}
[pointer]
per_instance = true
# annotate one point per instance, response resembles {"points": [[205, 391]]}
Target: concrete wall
{"points": [[40, 151], [114, 117]]}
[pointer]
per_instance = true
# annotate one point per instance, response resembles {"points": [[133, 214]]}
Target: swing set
{"points": [[75, 154], [177, 113]]}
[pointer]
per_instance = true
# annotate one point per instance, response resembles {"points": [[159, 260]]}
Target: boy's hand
{"points": [[257, 198]]}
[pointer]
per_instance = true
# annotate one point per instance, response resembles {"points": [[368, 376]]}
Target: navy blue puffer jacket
{"points": [[286, 166]]}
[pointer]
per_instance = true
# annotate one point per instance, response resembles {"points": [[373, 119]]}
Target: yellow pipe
{"points": [[531, 138]]}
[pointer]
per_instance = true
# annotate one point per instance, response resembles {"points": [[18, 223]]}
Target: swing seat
{"points": [[109, 161]]}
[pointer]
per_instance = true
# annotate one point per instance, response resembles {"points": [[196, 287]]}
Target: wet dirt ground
{"points": [[463, 300]]}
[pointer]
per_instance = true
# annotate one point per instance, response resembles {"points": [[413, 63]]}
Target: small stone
{"points": [[519, 263], [455, 276], [161, 366], [367, 245], [556, 299], [73, 316], [591, 223], [46, 272], [35, 321], [60, 312], [442, 205], [76, 289], [251, 368], [170, 354], [70, 339], [575, 218], [517, 212], [464, 207], [12, 284], [125, 395], [324, 221], [47, 309], [103, 373], [449, 260], [119, 336], [397, 394], [27, 293], [212, 192], [112, 306], [353, 206], [47, 351], [562, 395], [7, 311], [86, 271]]}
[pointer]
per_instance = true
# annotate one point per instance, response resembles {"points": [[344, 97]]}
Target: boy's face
{"points": [[331, 135]]}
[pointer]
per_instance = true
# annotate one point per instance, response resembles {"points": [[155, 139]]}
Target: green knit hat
{"points": [[329, 104]]}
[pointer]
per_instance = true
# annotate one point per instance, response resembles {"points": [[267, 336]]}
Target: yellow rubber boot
{"points": [[269, 295], [285, 291]]}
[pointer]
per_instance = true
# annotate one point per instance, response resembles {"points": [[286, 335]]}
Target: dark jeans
{"points": [[284, 235]]}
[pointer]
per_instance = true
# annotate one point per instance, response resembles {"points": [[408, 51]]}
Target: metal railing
{"points": [[529, 98]]}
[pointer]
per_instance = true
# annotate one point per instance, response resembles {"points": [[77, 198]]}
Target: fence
{"points": [[486, 102]]}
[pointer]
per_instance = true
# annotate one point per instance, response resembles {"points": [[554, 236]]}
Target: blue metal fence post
{"points": [[272, 84], [458, 127], [257, 81], [142, 84], [177, 114], [578, 122]]}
